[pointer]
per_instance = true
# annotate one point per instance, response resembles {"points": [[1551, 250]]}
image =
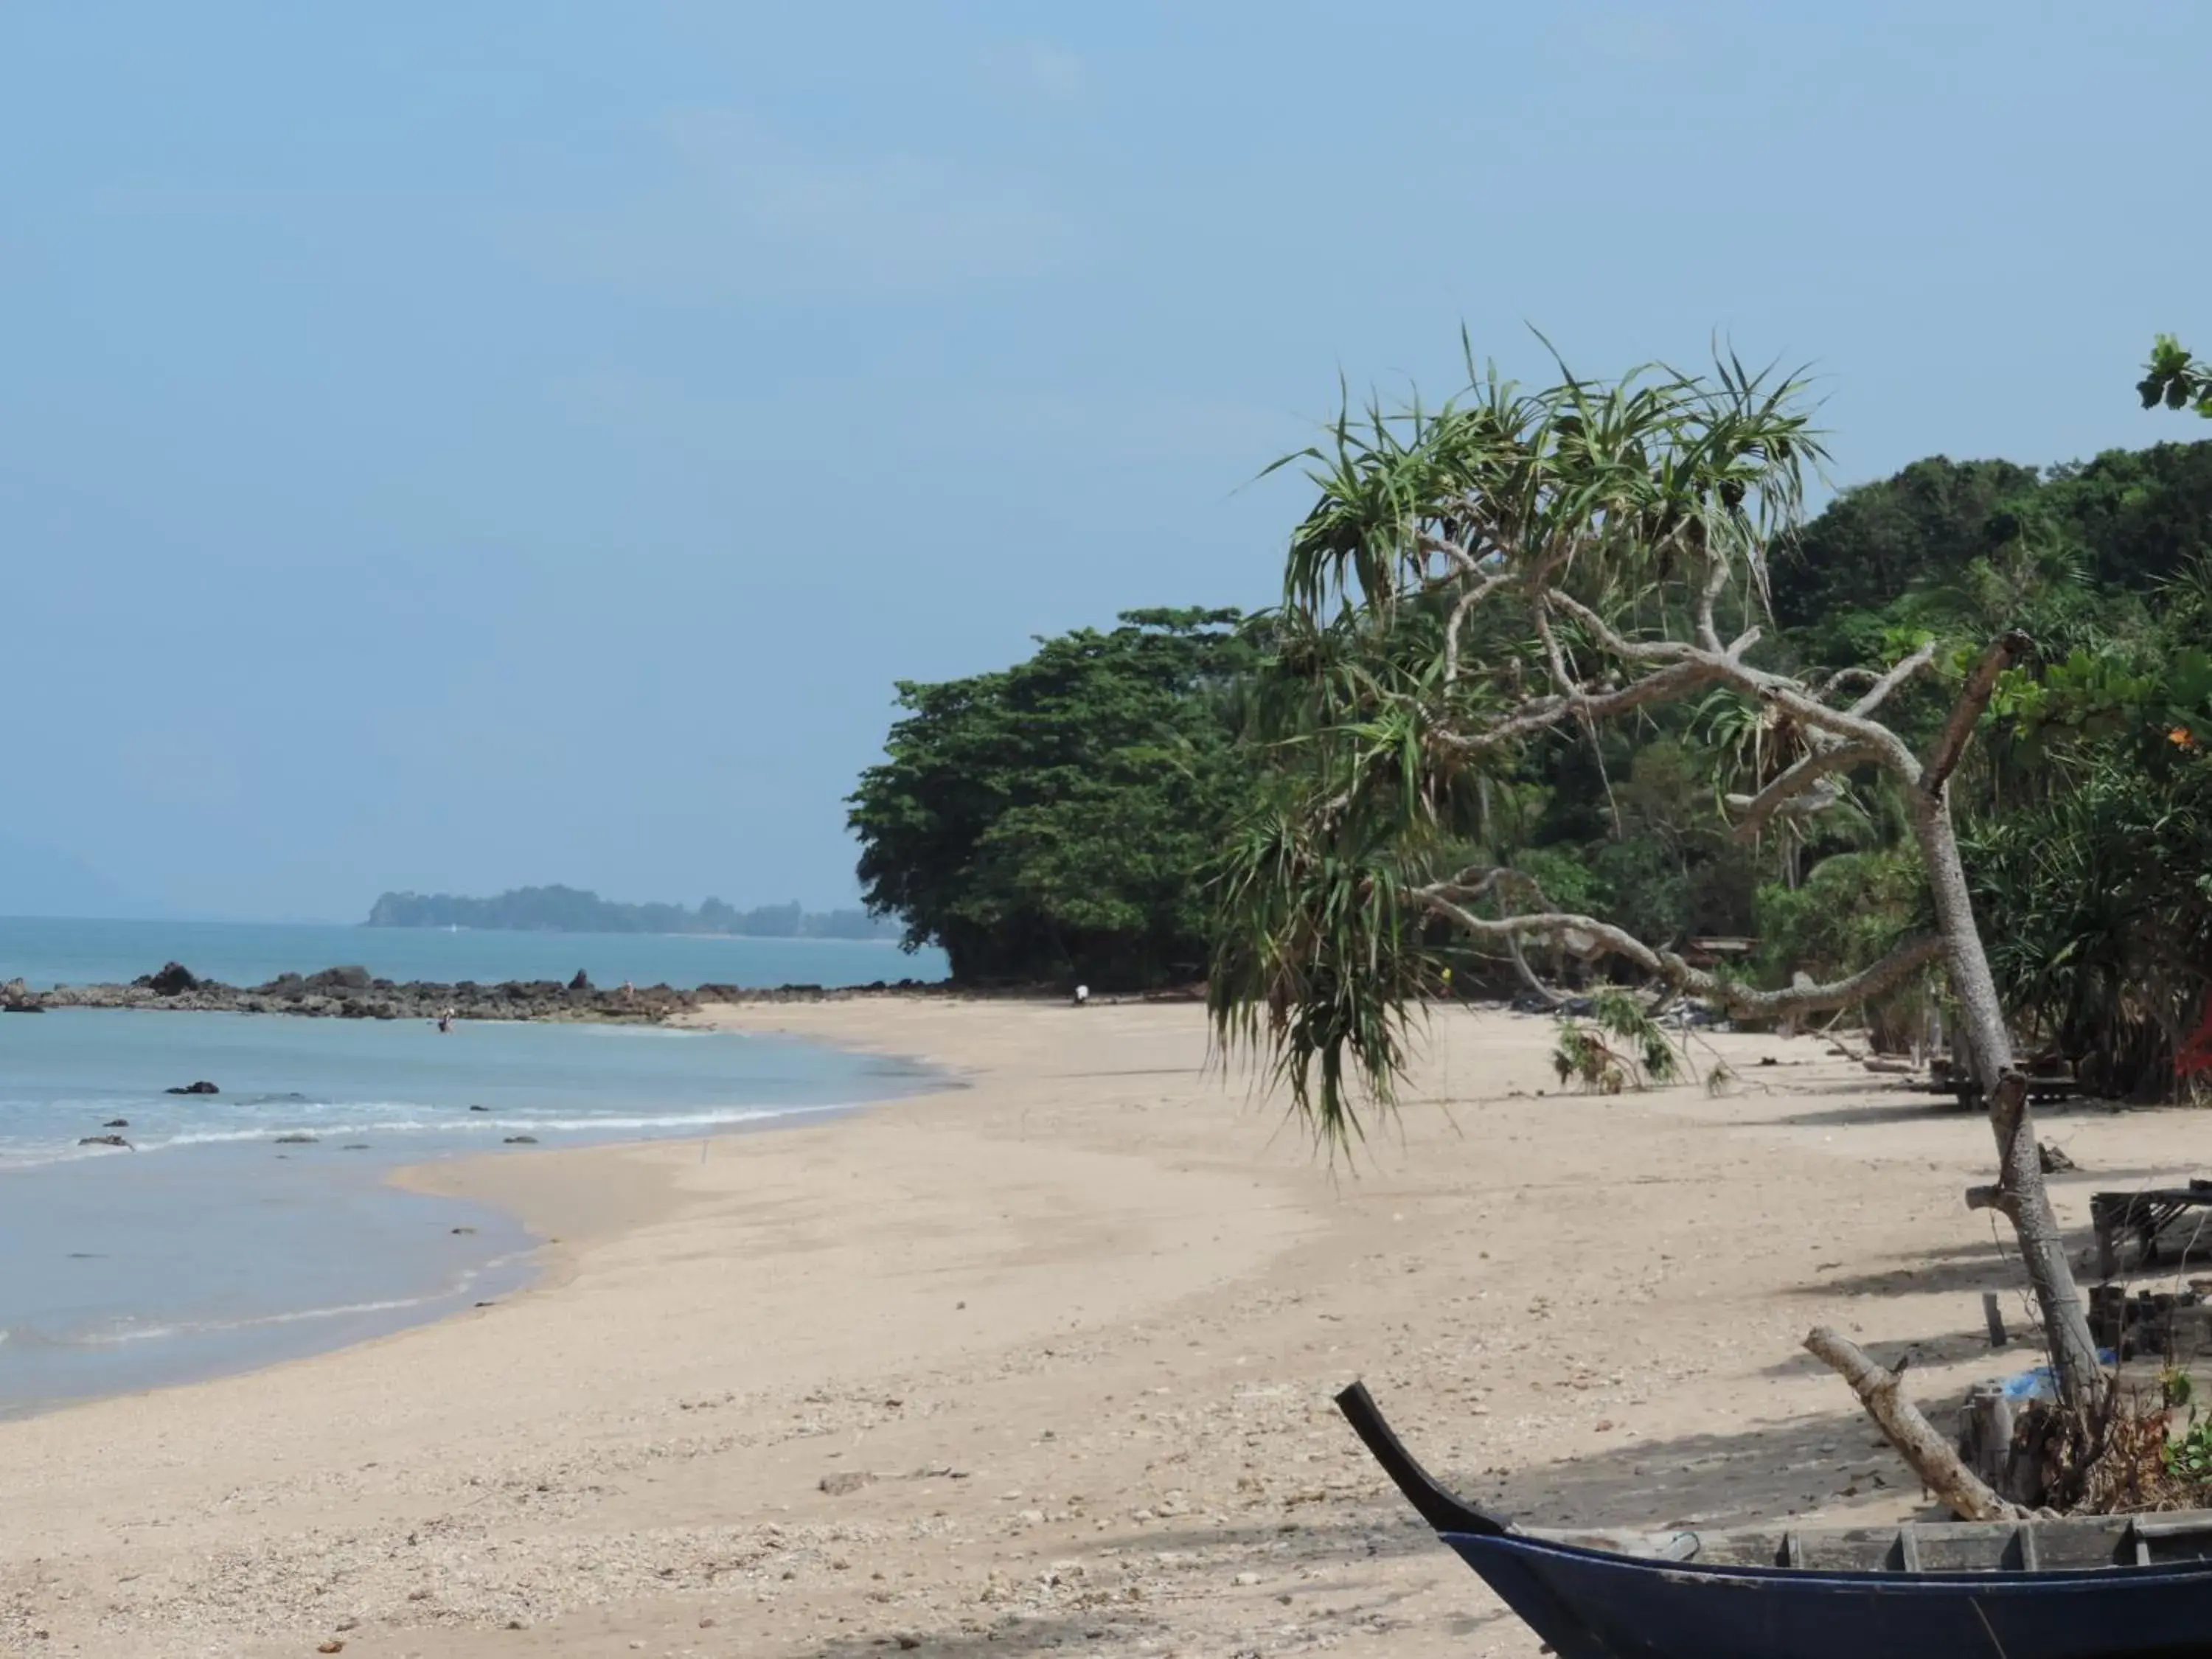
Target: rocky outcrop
{"points": [[174, 980], [18, 998], [202, 1087], [353, 993]]}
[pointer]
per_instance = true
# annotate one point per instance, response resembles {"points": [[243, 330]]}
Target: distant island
{"points": [[572, 910]]}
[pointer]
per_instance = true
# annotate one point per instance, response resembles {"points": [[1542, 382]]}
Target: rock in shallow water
{"points": [[202, 1087]]}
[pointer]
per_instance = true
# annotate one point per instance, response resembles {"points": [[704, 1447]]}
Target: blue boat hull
{"points": [[1587, 1604]]}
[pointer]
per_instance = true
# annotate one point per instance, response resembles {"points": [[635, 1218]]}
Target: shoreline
{"points": [[1051, 1352], [221, 1239]]}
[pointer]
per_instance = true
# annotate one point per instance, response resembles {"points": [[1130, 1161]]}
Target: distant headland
{"points": [[572, 910]]}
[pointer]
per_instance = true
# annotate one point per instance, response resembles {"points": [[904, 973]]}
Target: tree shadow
{"points": [[1752, 1475], [1357, 1528]]}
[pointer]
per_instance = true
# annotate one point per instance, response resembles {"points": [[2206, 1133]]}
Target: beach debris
{"points": [[174, 980], [334, 1645], [202, 1087], [295, 1139], [848, 1480], [522, 1141], [117, 1123], [106, 1141], [355, 1146], [465, 1230], [2053, 1158]]}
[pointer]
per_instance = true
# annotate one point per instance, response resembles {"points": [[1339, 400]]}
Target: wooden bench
{"points": [[2143, 1216]]}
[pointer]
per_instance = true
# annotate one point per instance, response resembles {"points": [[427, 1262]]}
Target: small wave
{"points": [[449, 1122], [463, 1283]]}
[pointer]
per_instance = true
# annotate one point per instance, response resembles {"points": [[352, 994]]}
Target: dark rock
{"points": [[295, 1140], [480, 1108], [2053, 1159], [850, 1481], [340, 979], [173, 980], [104, 1140], [202, 1087], [522, 1141], [355, 1146], [582, 982], [117, 1123]]}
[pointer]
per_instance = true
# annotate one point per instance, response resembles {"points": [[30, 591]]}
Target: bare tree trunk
{"points": [[2019, 1195], [1930, 1456]]}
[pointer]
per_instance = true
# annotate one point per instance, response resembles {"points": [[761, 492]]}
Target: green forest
{"points": [[1067, 818]]}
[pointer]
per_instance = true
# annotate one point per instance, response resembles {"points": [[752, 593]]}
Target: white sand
{"points": [[1074, 1326]]}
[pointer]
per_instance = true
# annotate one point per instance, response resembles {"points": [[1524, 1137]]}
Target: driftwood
{"points": [[1880, 1391]]}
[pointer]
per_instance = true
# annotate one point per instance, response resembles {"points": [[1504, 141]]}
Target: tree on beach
{"points": [[1520, 568], [1050, 821]]}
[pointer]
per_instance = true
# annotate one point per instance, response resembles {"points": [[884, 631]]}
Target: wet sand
{"points": [[1044, 1361]]}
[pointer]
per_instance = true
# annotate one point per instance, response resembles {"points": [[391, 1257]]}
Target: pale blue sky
{"points": [[451, 447]]}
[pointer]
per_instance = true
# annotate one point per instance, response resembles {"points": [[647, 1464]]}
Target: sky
{"points": [[451, 447]]}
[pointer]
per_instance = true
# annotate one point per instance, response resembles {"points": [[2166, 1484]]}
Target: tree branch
{"points": [[1966, 712], [1881, 1391], [1628, 650], [1541, 714], [1461, 609], [1795, 781], [1886, 683], [1587, 937]]}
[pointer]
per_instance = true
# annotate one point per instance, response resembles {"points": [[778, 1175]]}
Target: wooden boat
{"points": [[2077, 1586]]}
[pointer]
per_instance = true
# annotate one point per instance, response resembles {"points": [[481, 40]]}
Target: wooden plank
{"points": [[1908, 1547], [2191, 1523], [2030, 1558]]}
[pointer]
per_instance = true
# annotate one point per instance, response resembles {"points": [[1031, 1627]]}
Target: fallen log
{"points": [[1931, 1456]]}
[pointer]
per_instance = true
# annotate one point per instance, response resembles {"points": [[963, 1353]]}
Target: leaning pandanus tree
{"points": [[1523, 566]]}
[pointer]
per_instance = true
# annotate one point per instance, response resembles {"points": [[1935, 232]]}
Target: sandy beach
{"points": [[1044, 1361]]}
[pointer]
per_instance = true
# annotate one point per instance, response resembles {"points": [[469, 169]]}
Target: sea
{"points": [[259, 1223]]}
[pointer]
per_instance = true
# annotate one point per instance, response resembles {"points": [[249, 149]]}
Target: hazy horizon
{"points": [[462, 450]]}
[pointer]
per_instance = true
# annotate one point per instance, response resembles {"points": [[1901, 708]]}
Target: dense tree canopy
{"points": [[1050, 821], [1057, 818]]}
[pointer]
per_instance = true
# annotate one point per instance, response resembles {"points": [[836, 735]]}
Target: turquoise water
{"points": [[55, 952], [211, 1245]]}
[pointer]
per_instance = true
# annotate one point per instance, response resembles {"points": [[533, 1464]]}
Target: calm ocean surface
{"points": [[48, 953], [211, 1246]]}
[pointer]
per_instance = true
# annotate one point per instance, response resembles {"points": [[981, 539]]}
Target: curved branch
{"points": [[1687, 667], [1794, 781], [1461, 609], [1886, 683], [1541, 714], [1589, 938], [1607, 636]]}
